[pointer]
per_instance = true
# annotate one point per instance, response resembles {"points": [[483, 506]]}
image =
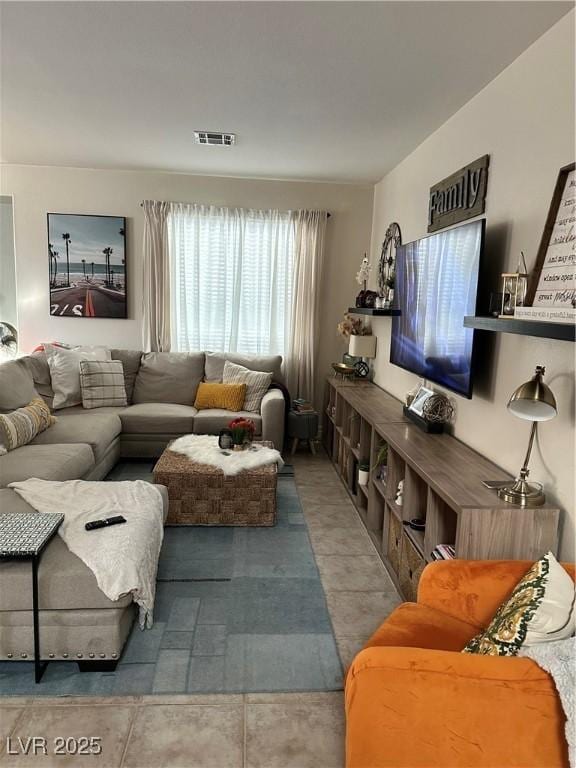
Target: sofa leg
{"points": [[97, 666]]}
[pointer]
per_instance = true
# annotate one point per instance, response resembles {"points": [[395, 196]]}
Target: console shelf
{"points": [[442, 485], [543, 330]]}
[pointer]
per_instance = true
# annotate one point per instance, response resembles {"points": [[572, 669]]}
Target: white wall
{"points": [[8, 311], [525, 120], [38, 190]]}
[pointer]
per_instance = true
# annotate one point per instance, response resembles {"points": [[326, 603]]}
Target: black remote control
{"points": [[105, 523]]}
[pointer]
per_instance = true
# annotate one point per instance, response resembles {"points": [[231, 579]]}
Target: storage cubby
{"points": [[441, 524], [442, 485]]}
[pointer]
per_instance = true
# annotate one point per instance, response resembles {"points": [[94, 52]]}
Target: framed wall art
{"points": [[87, 265], [553, 281]]}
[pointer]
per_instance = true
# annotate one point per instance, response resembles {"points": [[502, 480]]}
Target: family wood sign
{"points": [[460, 196]]}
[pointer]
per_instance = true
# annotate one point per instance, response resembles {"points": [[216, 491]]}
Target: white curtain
{"points": [[156, 278], [309, 232], [232, 278]]}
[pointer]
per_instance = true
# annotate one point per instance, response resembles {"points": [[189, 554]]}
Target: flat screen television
{"points": [[436, 286]]}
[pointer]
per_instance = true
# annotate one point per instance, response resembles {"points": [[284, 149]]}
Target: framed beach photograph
{"points": [[420, 398], [87, 265]]}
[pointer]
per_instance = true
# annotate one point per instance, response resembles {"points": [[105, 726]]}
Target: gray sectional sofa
{"points": [[78, 621]]}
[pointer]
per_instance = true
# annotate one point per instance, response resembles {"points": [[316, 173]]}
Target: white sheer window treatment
{"points": [[232, 278]]}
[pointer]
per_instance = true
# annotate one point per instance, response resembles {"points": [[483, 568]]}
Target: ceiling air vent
{"points": [[215, 139]]}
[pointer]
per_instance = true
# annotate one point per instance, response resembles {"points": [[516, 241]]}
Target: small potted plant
{"points": [[381, 463], [242, 432], [363, 472]]}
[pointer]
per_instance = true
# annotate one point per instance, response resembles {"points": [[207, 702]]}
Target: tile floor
{"points": [[295, 730]]}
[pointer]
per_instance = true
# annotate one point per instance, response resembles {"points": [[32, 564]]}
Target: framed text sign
{"points": [[459, 197], [553, 282]]}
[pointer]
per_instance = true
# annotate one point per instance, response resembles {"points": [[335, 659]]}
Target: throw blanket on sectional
{"points": [[124, 558], [559, 660], [204, 450]]}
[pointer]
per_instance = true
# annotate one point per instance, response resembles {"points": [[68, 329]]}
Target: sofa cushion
{"points": [[418, 626], [169, 377], [130, 359], [98, 430], [215, 364], [65, 582], [16, 386], [158, 418], [257, 384], [10, 501], [212, 420], [47, 462], [37, 365]]}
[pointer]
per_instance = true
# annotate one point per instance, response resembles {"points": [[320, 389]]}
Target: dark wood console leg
{"points": [[97, 666]]}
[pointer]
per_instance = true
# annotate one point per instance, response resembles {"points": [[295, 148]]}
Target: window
{"points": [[232, 274]]}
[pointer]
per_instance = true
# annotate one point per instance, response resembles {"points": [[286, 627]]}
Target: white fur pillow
{"points": [[64, 367]]}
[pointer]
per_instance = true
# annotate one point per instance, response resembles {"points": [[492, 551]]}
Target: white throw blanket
{"points": [[124, 558], [205, 450], [559, 660]]}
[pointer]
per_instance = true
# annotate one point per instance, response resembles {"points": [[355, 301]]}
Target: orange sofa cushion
{"points": [[418, 626]]}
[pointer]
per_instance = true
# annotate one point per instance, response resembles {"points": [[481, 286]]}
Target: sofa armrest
{"points": [[273, 411], [470, 590], [410, 707]]}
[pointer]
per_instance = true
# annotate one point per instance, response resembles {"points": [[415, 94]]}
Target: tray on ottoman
{"points": [[200, 494]]}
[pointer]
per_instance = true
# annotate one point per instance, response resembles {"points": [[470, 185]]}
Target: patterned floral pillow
{"points": [[539, 610], [21, 426]]}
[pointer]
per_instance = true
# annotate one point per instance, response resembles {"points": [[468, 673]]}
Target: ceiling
{"points": [[335, 91]]}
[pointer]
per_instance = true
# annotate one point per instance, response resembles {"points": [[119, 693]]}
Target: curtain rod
{"points": [[328, 214]]}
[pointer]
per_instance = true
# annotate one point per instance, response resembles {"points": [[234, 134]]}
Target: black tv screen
{"points": [[436, 286]]}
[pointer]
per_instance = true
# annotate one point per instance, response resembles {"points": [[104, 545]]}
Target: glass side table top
{"points": [[24, 534]]}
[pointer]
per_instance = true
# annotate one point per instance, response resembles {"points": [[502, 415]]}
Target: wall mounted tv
{"points": [[436, 286]]}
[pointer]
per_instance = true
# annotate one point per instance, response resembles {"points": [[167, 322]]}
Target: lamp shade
{"points": [[533, 400], [362, 346]]}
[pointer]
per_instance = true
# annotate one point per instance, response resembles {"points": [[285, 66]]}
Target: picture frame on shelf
{"points": [[552, 282], [417, 405]]}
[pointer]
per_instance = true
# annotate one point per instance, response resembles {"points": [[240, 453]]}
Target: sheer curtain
{"points": [[231, 278]]}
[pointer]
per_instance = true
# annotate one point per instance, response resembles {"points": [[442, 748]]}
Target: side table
{"points": [[302, 426], [24, 535]]}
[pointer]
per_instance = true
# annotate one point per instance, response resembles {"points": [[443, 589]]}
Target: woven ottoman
{"points": [[200, 494]]}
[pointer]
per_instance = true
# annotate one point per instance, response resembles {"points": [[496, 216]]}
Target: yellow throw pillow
{"points": [[230, 397]]}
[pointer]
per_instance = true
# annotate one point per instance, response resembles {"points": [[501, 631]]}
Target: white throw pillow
{"points": [[554, 618], [539, 610], [64, 367], [257, 384]]}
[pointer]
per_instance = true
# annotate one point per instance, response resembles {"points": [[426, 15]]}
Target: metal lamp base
{"points": [[523, 494]]}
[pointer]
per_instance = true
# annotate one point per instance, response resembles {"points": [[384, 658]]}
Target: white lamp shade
{"points": [[532, 410], [362, 346]]}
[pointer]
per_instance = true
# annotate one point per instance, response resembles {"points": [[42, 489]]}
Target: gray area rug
{"points": [[238, 610]]}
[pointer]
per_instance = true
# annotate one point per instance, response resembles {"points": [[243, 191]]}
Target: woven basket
{"points": [[203, 495]]}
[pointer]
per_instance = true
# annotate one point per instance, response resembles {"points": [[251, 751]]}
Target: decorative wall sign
{"points": [[87, 265], [553, 282], [459, 197]]}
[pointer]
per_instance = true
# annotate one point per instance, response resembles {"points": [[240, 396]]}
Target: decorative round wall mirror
{"points": [[387, 265]]}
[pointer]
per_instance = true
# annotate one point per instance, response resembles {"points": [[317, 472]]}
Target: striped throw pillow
{"points": [[257, 384], [102, 383], [21, 426]]}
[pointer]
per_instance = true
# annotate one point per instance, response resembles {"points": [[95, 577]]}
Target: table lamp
{"points": [[364, 347], [534, 402]]}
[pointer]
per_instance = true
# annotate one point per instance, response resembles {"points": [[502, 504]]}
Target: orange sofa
{"points": [[413, 700]]}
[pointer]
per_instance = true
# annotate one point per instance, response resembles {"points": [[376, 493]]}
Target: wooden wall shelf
{"points": [[559, 331], [442, 485], [374, 312]]}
